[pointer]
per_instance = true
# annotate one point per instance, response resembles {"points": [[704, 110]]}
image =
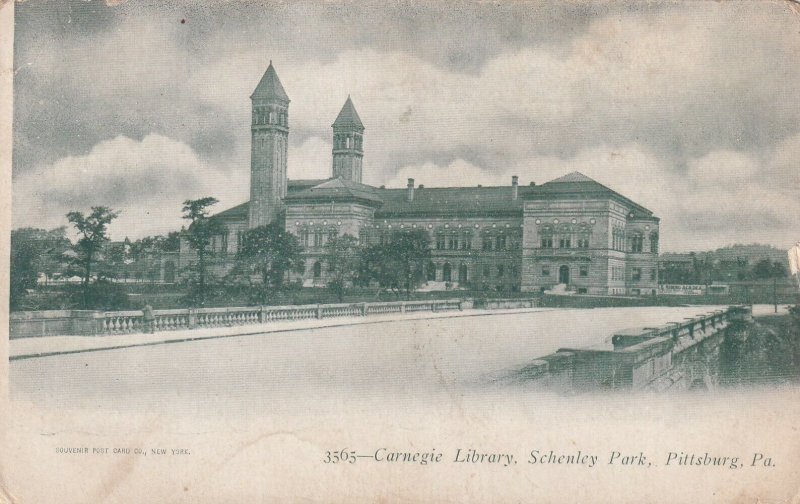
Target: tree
{"points": [[272, 253], [201, 230], [34, 251], [766, 269], [399, 263], [92, 236], [342, 257]]}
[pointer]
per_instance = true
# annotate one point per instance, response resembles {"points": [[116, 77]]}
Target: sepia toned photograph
{"points": [[406, 252]]}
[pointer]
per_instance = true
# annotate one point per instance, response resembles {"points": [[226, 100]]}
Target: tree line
{"points": [[269, 255], [264, 263]]}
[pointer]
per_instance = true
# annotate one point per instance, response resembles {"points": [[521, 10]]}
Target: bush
{"points": [[104, 295]]}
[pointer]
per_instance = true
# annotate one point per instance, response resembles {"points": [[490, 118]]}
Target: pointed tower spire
{"points": [[269, 129], [348, 116], [270, 88], [348, 143]]}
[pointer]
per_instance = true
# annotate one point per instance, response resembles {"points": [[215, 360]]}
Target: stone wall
{"points": [[679, 355]]}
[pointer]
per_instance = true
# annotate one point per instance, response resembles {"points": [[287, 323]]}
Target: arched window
{"points": [[430, 274], [317, 237], [466, 240], [363, 236], [332, 233], [501, 242], [637, 242], [463, 275], [547, 237], [317, 270], [452, 241], [440, 242], [654, 243], [446, 272], [304, 237]]}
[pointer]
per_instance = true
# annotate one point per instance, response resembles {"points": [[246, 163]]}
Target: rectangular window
{"points": [[653, 274], [452, 242], [501, 242], [500, 271], [636, 274], [564, 243], [488, 243], [546, 271], [584, 271], [547, 242], [439, 241]]}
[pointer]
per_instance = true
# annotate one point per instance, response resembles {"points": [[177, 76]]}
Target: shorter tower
{"points": [[269, 130], [348, 143]]}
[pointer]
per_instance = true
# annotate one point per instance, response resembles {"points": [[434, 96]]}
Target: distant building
{"points": [[571, 230]]}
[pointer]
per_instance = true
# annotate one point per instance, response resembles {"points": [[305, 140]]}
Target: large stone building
{"points": [[571, 230]]}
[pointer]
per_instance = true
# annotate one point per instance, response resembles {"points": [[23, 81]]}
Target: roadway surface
{"points": [[355, 367]]}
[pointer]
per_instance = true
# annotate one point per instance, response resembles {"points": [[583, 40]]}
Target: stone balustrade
{"points": [[91, 322]]}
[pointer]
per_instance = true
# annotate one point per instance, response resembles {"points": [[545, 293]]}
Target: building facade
{"points": [[571, 233]]}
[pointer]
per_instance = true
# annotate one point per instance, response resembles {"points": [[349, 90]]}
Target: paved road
{"points": [[301, 372]]}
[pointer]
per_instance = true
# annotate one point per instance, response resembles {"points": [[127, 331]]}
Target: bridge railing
{"points": [[90, 322], [640, 358]]}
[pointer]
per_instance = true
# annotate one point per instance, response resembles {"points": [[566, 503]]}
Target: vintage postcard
{"points": [[406, 251]]}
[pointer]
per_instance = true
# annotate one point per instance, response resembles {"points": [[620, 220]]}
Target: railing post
{"points": [[192, 318], [319, 311], [363, 309], [261, 314], [402, 306], [460, 305]]}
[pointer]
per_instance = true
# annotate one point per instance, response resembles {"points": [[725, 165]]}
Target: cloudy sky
{"points": [[690, 108]]}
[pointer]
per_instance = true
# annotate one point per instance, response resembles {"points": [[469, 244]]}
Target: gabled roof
{"points": [[348, 117], [270, 87], [336, 189]]}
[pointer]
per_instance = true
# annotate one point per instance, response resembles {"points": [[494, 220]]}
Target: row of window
{"points": [[564, 242], [347, 142], [317, 237], [583, 270], [265, 116], [619, 238]]}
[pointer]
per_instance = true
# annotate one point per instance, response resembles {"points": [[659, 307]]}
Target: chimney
{"points": [[514, 187], [410, 190], [533, 183]]}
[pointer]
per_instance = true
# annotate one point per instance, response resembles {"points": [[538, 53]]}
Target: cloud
{"points": [[686, 107], [146, 180], [309, 160]]}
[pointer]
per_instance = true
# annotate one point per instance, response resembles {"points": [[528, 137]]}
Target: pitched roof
{"points": [[241, 211], [270, 86], [348, 117], [576, 185], [452, 201], [337, 189], [572, 177]]}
